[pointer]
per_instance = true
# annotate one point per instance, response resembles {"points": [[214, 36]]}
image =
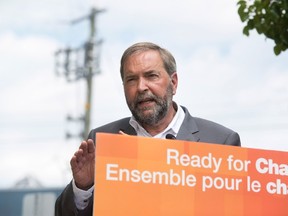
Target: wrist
{"points": [[84, 187]]}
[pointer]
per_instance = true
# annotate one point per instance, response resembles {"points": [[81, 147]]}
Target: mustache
{"points": [[145, 97]]}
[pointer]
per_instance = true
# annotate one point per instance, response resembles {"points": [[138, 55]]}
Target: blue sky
{"points": [[224, 76]]}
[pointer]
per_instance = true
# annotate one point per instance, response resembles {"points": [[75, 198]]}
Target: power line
{"points": [[82, 62]]}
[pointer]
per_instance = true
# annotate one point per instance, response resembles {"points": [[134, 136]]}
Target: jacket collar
{"points": [[188, 130]]}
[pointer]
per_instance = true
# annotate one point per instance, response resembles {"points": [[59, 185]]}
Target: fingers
{"points": [[122, 133], [87, 147], [86, 150], [76, 159], [73, 162], [90, 146], [84, 147]]}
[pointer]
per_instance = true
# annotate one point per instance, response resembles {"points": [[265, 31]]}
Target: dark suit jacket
{"points": [[192, 129]]}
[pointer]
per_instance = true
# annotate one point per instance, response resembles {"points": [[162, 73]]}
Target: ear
{"points": [[174, 81]]}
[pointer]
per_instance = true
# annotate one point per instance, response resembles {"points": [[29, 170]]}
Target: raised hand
{"points": [[83, 165]]}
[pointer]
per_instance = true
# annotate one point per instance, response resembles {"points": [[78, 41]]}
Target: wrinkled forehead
{"points": [[147, 57]]}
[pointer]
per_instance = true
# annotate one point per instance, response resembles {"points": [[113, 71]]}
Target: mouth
{"points": [[145, 102]]}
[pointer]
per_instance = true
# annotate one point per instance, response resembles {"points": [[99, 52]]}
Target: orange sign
{"points": [[146, 176]]}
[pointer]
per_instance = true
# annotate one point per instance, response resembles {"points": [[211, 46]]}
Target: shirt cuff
{"points": [[81, 197]]}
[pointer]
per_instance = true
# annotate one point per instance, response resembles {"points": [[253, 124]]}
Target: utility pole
{"points": [[81, 63]]}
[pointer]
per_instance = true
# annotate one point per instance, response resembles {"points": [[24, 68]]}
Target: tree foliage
{"points": [[268, 17]]}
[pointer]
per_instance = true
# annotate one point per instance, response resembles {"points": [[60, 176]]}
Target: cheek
{"points": [[158, 89], [129, 94]]}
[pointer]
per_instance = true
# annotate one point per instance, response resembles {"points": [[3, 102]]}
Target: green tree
{"points": [[268, 17]]}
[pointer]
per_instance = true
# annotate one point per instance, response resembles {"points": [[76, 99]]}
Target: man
{"points": [[150, 80]]}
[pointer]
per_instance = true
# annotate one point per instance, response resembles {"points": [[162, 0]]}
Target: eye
{"points": [[152, 75], [130, 79]]}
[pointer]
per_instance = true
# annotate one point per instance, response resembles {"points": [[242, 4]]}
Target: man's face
{"points": [[148, 87]]}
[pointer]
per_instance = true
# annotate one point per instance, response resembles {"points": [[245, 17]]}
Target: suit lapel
{"points": [[128, 129], [188, 130]]}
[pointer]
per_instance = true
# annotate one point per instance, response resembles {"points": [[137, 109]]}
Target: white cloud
{"points": [[46, 161], [31, 14]]}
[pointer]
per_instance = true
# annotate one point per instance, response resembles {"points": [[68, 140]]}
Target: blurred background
{"points": [[224, 76]]}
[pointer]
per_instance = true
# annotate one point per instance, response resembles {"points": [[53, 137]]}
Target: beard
{"points": [[151, 115]]}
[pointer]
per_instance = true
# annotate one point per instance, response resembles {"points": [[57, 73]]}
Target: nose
{"points": [[142, 85]]}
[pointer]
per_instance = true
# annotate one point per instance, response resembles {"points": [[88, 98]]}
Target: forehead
{"points": [[143, 58]]}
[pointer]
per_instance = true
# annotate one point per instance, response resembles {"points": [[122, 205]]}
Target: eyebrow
{"points": [[145, 72], [151, 71]]}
